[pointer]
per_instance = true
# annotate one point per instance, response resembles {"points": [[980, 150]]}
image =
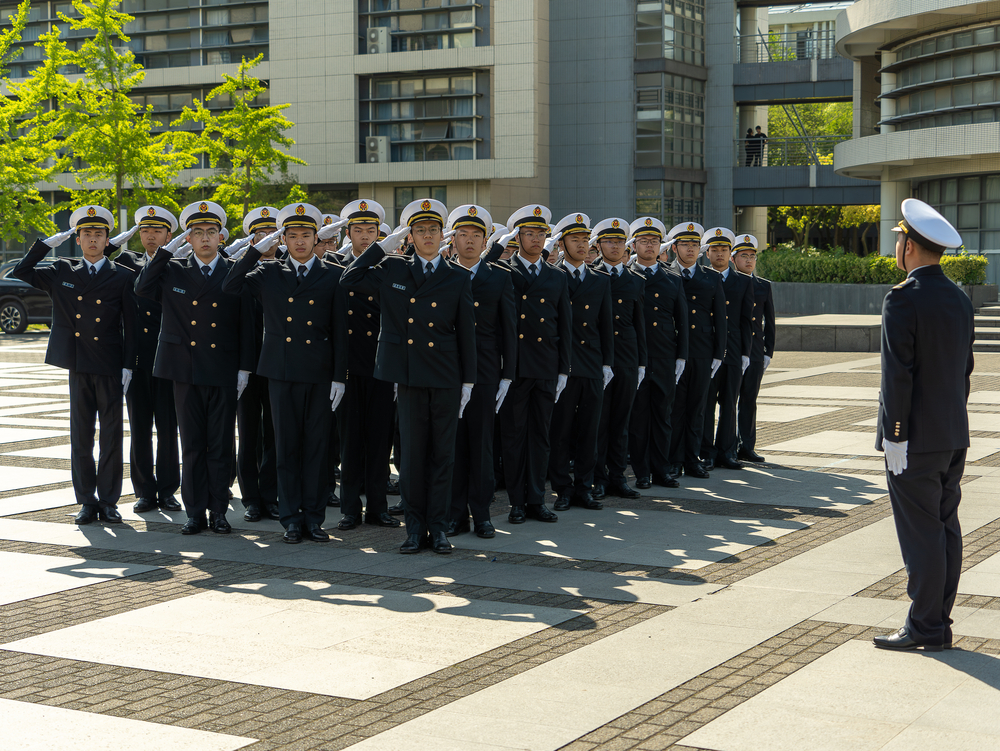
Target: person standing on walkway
{"points": [[923, 422]]}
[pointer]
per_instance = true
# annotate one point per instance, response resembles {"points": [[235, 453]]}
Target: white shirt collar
{"points": [[645, 269], [528, 264], [725, 274], [95, 266], [475, 269], [212, 265], [609, 267], [571, 268], [308, 264], [435, 262]]}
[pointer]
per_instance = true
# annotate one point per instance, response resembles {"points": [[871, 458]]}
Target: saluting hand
{"points": [[269, 242], [59, 238], [238, 248], [175, 246], [119, 240], [551, 242], [331, 230], [337, 390], [503, 239], [391, 243]]}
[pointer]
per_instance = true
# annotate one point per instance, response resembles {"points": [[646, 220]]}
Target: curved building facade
{"points": [[927, 110]]}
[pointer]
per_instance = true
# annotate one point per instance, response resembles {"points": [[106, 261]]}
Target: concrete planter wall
{"points": [[802, 299]]}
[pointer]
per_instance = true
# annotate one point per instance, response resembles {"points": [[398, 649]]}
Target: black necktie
{"points": [[93, 271], [687, 273], [532, 271], [206, 270], [302, 273], [650, 271], [614, 272], [428, 270], [576, 279]]}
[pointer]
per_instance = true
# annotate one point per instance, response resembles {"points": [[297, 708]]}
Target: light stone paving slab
{"points": [[37, 501], [783, 413], [25, 422], [64, 451], [16, 435], [660, 538], [13, 478], [874, 611], [984, 397], [826, 463], [858, 393], [339, 641], [38, 575], [60, 390], [983, 578], [37, 727], [862, 698], [20, 402], [790, 374], [863, 444]]}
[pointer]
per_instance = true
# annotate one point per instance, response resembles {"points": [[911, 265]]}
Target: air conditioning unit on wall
{"points": [[376, 149], [378, 40]]}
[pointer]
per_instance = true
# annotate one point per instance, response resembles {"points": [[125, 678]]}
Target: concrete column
{"points": [[753, 221], [892, 194], [749, 38], [721, 118], [888, 106], [866, 109]]}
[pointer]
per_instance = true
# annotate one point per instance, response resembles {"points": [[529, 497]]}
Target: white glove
{"points": [[679, 369], [560, 385], [716, 364], [283, 249], [269, 242], [444, 247], [242, 379], [238, 248], [392, 242], [174, 246], [449, 234], [347, 249], [395, 391], [664, 247], [337, 390], [630, 242], [746, 362], [331, 230], [119, 240], [502, 392], [551, 242], [59, 238], [642, 374], [503, 239], [895, 456], [466, 395], [184, 251], [767, 361], [126, 379], [608, 375]]}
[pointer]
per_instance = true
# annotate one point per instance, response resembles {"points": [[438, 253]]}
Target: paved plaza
{"points": [[734, 614]]}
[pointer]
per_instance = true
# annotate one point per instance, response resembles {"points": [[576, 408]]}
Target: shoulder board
{"points": [[500, 266], [904, 283], [598, 270]]}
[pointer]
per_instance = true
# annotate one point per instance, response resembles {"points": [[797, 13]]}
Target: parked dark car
{"points": [[21, 304]]}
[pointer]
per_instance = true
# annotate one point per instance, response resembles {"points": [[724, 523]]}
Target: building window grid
{"points": [[425, 24], [671, 29], [670, 201], [670, 112], [971, 204], [403, 196]]}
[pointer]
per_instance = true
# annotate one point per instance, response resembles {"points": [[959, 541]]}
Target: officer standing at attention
{"points": [[496, 357], [718, 448], [368, 413], [761, 347], [577, 414], [206, 348], [666, 321], [706, 349], [304, 358], [544, 354], [627, 295], [427, 345], [150, 399], [93, 337], [923, 422]]}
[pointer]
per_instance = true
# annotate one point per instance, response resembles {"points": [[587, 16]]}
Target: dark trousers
{"points": [[527, 416], [649, 426], [428, 422], [206, 416], [472, 484], [724, 391], [367, 414], [333, 452], [925, 500], [301, 415], [256, 463], [575, 419], [689, 412], [612, 435], [95, 399], [151, 400], [746, 411]]}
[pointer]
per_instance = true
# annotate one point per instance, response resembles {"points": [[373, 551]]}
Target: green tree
{"points": [[860, 217], [244, 143], [111, 135]]}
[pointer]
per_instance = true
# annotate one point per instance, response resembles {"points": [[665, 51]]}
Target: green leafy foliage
{"points": [[811, 266]]}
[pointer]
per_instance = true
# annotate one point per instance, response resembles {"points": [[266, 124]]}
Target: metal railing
{"points": [[786, 152], [778, 47]]}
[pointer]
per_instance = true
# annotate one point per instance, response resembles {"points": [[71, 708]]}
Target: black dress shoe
{"points": [[457, 527], [87, 515], [597, 492], [252, 514], [348, 521], [586, 500], [383, 520], [396, 509], [902, 641], [440, 544], [726, 463], [170, 504], [485, 530], [336, 473], [143, 505], [624, 490], [412, 544], [293, 534], [332, 501], [271, 511], [194, 525], [516, 515], [562, 502], [231, 496], [109, 514], [644, 483], [219, 524], [540, 512], [749, 456], [708, 465], [675, 470], [316, 533], [666, 481], [392, 487], [696, 471]]}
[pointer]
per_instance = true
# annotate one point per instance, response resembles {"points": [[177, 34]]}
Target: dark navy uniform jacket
{"points": [[544, 321], [496, 324], [762, 326], [149, 311], [706, 299], [593, 334], [627, 294], [927, 336], [739, 312], [665, 316]]}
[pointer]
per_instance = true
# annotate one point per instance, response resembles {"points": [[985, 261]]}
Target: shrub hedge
{"points": [[792, 265]]}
